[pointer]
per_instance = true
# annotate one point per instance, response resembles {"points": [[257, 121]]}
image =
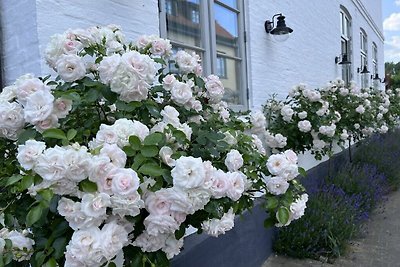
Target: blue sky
{"points": [[391, 27]]}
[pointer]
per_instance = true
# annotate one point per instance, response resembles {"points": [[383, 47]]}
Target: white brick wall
{"points": [[309, 54], [19, 38]]}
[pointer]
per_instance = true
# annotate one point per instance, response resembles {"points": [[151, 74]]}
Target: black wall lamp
{"points": [[364, 70], [376, 77], [342, 60], [281, 31]]}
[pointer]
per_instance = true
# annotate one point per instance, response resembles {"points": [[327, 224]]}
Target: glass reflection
{"points": [[226, 29], [183, 21]]}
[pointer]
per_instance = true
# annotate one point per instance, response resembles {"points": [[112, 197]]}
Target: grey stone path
{"points": [[379, 246]]}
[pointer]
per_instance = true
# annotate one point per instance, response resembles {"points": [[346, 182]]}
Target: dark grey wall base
{"points": [[248, 244]]}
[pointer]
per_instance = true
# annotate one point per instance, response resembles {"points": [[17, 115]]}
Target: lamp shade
{"points": [[281, 27]]}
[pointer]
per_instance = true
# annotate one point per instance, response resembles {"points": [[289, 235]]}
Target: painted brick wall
{"points": [[308, 55], [20, 42]]}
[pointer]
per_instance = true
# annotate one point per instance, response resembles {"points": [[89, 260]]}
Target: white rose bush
{"points": [[317, 119], [116, 157]]}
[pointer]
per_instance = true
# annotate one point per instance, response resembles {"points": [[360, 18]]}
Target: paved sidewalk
{"points": [[380, 246]]}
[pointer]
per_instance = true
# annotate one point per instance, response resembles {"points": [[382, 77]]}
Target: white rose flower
{"points": [[237, 180], [344, 135], [126, 205], [85, 247], [141, 65], [257, 143], [172, 246], [50, 165], [215, 88], [70, 68], [165, 155], [357, 126], [107, 67], [170, 115], [277, 163], [383, 129], [29, 153], [304, 126], [160, 224], [39, 106], [67, 207], [221, 184], [129, 85], [160, 47], [48, 123], [343, 91], [62, 107], [26, 86], [298, 207], [8, 94], [187, 63], [318, 144], [169, 81], [95, 205], [233, 160], [150, 243], [116, 154], [20, 241], [113, 238], [302, 115], [360, 109], [181, 93], [277, 185], [280, 140], [124, 181], [216, 227], [287, 112], [291, 156], [76, 163], [188, 172]]}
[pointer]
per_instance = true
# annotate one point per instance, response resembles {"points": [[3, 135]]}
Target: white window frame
{"points": [[363, 54], [374, 58], [209, 48], [346, 42]]}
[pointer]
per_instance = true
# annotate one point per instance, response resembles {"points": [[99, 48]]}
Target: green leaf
{"points": [[269, 222], [153, 139], [46, 194], [13, 179], [271, 203], [71, 134], [139, 159], [55, 134], [149, 151], [302, 172], [129, 151], [26, 182], [88, 186], [59, 247], [151, 169], [92, 95], [50, 263], [34, 214], [283, 215], [26, 135], [111, 264], [180, 232], [135, 142]]}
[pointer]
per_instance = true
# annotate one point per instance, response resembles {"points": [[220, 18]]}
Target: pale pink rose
{"points": [[215, 88], [236, 189], [188, 172], [62, 107], [165, 154], [233, 160], [70, 68], [221, 184], [39, 106], [29, 153], [124, 181], [169, 81], [291, 156], [95, 205], [116, 154], [27, 87], [160, 224], [181, 93], [107, 67], [48, 123]]}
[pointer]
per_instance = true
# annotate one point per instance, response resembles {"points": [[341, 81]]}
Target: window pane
{"points": [[183, 21], [231, 3], [233, 94], [226, 29]]}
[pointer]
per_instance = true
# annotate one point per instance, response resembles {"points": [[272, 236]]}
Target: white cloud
{"points": [[392, 49], [397, 2], [392, 23]]}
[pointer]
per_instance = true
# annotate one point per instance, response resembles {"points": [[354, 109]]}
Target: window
{"points": [[363, 56], [221, 67], [168, 7], [345, 43], [374, 59], [215, 31]]}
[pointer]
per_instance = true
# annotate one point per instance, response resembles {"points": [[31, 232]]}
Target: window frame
{"points": [[374, 58], [363, 55], [346, 42], [208, 47]]}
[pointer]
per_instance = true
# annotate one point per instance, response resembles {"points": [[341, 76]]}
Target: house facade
{"points": [[228, 34]]}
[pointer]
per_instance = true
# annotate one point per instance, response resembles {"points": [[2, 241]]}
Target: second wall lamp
{"points": [[281, 31]]}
